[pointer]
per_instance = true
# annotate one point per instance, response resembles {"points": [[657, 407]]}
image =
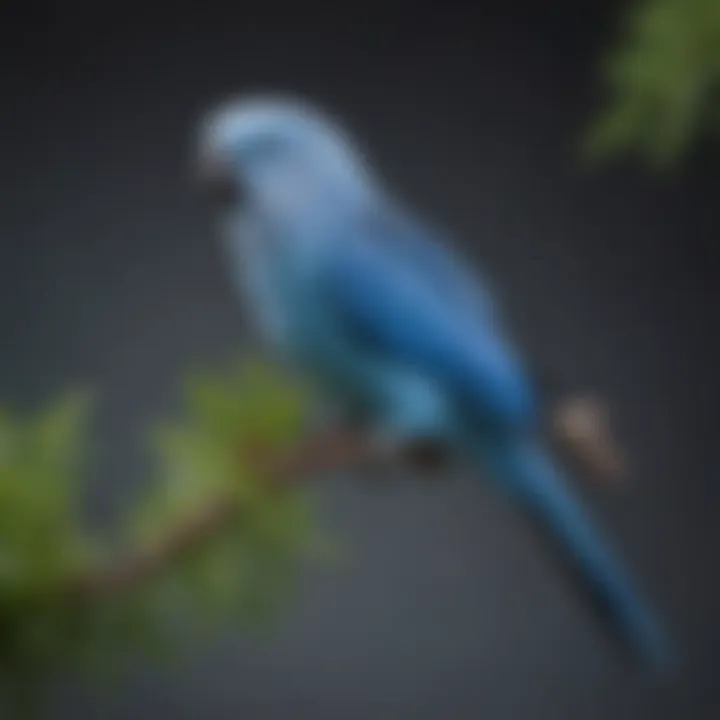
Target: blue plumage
{"points": [[352, 291]]}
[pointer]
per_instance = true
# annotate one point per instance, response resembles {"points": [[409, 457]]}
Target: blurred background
{"points": [[109, 273]]}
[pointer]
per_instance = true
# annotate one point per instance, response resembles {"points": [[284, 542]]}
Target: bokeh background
{"points": [[109, 273]]}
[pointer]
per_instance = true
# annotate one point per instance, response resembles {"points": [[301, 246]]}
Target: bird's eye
{"points": [[224, 191], [219, 184]]}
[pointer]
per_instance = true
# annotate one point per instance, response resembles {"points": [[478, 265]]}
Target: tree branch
{"points": [[334, 450]]}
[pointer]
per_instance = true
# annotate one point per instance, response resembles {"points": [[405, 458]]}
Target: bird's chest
{"points": [[313, 336], [285, 298], [317, 341]]}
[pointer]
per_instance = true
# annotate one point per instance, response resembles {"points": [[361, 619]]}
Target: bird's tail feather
{"points": [[533, 479]]}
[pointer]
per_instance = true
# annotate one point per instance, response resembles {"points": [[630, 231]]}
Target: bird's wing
{"points": [[431, 257], [403, 305]]}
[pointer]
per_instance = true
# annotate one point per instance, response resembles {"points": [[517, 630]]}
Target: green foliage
{"points": [[663, 76], [244, 572], [40, 464], [41, 538]]}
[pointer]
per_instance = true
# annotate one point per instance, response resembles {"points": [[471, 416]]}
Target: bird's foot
{"points": [[425, 455], [582, 425]]}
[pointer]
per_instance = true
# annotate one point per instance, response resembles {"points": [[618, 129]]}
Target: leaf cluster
{"points": [[242, 574], [663, 78]]}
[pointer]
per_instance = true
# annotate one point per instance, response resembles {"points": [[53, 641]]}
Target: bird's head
{"points": [[280, 154]]}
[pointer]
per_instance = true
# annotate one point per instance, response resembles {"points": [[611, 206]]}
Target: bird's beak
{"points": [[217, 181]]}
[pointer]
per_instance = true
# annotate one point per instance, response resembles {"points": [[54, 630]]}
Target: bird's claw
{"points": [[583, 425]]}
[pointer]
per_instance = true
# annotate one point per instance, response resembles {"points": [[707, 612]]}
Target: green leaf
{"points": [[662, 76]]}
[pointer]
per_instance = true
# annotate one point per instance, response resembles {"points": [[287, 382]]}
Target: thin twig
{"points": [[332, 451]]}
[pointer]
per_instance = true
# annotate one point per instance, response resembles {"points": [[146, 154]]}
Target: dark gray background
{"points": [[109, 274]]}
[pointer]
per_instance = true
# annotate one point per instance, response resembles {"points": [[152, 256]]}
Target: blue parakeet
{"points": [[371, 305]]}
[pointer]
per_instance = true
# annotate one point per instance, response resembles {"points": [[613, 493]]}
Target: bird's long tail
{"points": [[533, 479]]}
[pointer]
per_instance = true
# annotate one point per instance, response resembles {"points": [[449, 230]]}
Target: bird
{"points": [[397, 334]]}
